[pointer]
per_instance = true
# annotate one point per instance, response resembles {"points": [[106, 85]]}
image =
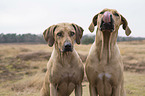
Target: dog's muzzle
{"points": [[67, 47], [107, 22]]}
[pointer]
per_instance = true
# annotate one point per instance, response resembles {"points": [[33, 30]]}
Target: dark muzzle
{"points": [[107, 22], [67, 47]]}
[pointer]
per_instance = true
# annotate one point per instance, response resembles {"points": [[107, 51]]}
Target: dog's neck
{"points": [[105, 42]]}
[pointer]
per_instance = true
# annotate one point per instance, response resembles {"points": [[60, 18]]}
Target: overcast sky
{"points": [[34, 16]]}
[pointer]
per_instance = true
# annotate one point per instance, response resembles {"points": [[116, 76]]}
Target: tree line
{"points": [[21, 38], [33, 38], [89, 39]]}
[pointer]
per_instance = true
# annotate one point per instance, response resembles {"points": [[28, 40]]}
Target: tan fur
{"points": [[104, 67], [65, 71]]}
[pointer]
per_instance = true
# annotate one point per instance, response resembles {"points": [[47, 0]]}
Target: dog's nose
{"points": [[107, 17], [107, 23], [67, 46]]}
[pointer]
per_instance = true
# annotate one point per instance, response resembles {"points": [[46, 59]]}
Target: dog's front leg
{"points": [[116, 91], [53, 90], [78, 90], [92, 90]]}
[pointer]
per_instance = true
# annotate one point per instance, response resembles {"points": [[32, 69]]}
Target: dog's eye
{"points": [[116, 14], [72, 33], [59, 34], [102, 12]]}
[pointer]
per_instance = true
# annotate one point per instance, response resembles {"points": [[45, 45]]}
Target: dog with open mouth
{"points": [[65, 70], [104, 67]]}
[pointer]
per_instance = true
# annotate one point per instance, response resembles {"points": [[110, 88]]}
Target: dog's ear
{"points": [[94, 23], [125, 26], [79, 32], [48, 35]]}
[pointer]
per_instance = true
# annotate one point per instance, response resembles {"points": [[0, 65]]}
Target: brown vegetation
{"points": [[22, 67]]}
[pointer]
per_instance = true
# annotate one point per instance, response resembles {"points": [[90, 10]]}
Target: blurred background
{"points": [[34, 16]]}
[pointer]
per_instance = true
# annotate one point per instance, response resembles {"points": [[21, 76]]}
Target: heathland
{"points": [[23, 66]]}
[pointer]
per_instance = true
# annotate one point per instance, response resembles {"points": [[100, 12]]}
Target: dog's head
{"points": [[63, 35], [109, 20]]}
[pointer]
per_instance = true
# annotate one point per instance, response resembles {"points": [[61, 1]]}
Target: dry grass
{"points": [[23, 66], [133, 54]]}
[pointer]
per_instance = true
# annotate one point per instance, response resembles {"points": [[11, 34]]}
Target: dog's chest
{"points": [[66, 74], [67, 82], [101, 76], [66, 78]]}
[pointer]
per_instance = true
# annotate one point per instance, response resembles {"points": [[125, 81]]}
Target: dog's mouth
{"points": [[107, 22], [67, 47]]}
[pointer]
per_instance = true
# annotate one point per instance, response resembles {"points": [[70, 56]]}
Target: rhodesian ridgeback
{"points": [[104, 67], [65, 70]]}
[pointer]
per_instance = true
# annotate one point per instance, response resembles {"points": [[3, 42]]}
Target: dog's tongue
{"points": [[106, 17]]}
